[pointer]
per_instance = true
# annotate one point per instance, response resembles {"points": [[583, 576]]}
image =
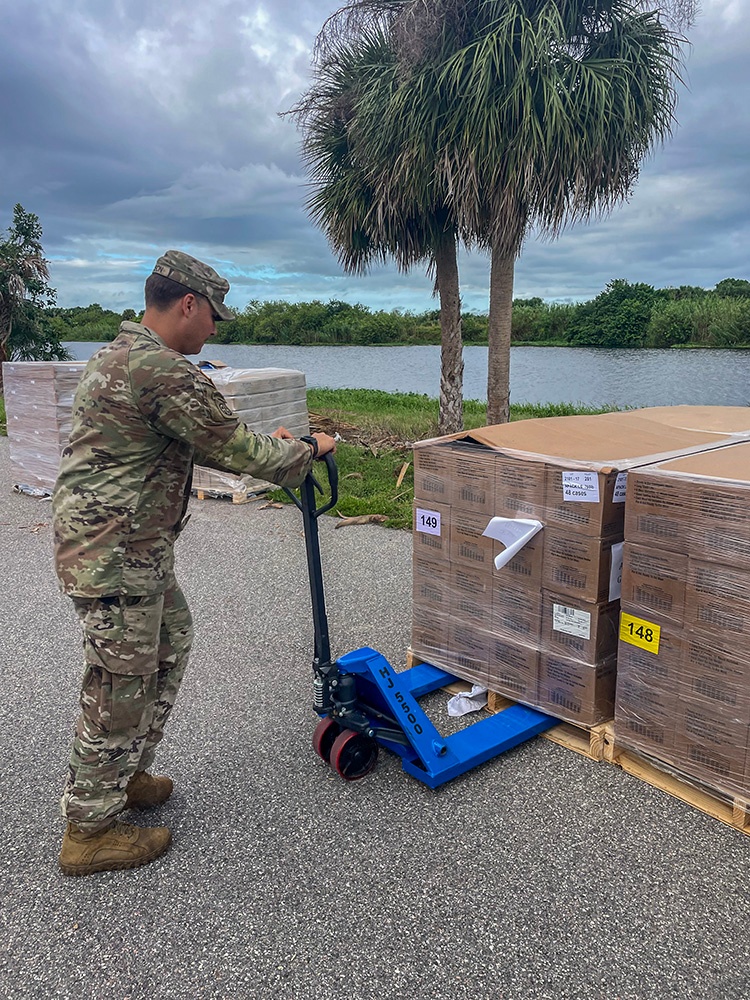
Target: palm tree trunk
{"points": [[451, 414], [498, 337]]}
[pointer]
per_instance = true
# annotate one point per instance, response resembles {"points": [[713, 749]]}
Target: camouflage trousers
{"points": [[135, 650]]}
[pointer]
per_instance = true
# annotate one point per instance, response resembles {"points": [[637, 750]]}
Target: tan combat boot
{"points": [[145, 791], [116, 848]]}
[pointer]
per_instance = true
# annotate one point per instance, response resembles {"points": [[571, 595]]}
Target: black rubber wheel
{"points": [[324, 736], [353, 755]]}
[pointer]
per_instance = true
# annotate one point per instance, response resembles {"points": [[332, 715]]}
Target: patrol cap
{"points": [[197, 277]]}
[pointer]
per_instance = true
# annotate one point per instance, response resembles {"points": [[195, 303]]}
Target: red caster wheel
{"points": [[325, 733], [353, 755]]}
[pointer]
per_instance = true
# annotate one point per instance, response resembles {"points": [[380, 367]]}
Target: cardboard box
{"points": [[663, 670], [575, 691], [644, 714], [696, 505], [585, 501], [516, 612], [512, 669], [710, 745], [473, 479], [433, 474], [653, 736], [468, 545], [519, 487], [717, 674], [654, 582], [525, 568], [583, 631], [468, 651], [432, 531], [717, 617], [581, 565], [712, 723], [430, 637], [721, 766], [637, 693], [719, 583], [431, 585], [471, 594]]}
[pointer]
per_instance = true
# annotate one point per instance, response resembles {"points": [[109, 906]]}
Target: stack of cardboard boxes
{"points": [[39, 404], [683, 690], [542, 629], [263, 398]]}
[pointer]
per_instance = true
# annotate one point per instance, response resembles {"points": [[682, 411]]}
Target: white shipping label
{"points": [[428, 521], [582, 487], [620, 483], [572, 621], [615, 572]]}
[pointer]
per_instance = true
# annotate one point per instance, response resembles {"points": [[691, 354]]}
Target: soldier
{"points": [[141, 416]]}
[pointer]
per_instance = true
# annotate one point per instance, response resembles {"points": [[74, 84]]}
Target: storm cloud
{"points": [[129, 128]]}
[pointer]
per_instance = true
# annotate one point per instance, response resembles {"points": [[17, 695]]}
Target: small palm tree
{"points": [[24, 273]]}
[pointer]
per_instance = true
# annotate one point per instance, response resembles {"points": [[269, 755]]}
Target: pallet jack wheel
{"points": [[353, 755], [324, 736]]}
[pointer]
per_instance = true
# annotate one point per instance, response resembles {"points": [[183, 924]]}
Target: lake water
{"points": [[538, 374]]}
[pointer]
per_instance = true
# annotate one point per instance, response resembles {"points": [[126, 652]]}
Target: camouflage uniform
{"points": [[141, 416]]}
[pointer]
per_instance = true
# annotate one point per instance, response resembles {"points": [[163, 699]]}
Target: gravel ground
{"points": [[538, 875]]}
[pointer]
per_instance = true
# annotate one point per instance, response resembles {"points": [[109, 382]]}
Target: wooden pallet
{"points": [[732, 810], [239, 497], [599, 743]]}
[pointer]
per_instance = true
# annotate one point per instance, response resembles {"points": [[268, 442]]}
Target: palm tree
{"points": [[23, 274], [524, 113], [365, 219]]}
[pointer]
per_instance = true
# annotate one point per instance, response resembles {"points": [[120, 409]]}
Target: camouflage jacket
{"points": [[141, 415]]}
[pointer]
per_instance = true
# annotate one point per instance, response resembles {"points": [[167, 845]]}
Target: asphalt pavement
{"points": [[538, 875]]}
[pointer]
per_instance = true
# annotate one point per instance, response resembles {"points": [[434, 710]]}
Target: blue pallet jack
{"points": [[363, 703]]}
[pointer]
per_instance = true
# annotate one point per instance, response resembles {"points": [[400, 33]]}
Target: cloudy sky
{"points": [[130, 127]]}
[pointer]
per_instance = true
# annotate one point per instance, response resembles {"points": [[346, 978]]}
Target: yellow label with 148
{"points": [[641, 633]]}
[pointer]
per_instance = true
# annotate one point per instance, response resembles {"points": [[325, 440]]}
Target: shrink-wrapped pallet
{"points": [[38, 407], [39, 403], [265, 399], [541, 626], [683, 694]]}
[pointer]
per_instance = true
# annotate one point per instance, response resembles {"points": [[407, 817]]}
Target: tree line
{"points": [[624, 314]]}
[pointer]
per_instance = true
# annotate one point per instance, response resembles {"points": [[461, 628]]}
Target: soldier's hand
{"points": [[326, 444], [283, 433]]}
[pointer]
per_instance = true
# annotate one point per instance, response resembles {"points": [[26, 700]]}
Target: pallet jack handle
{"points": [[310, 514]]}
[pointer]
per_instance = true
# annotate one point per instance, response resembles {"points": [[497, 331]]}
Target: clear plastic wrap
{"points": [[263, 398], [39, 403], [38, 407], [543, 628], [683, 693]]}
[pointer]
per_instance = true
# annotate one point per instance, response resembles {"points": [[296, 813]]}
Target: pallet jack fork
{"points": [[363, 703]]}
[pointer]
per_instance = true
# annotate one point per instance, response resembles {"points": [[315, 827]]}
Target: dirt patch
{"points": [[374, 439]]}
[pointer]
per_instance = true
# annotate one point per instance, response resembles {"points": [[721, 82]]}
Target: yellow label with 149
{"points": [[641, 633]]}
